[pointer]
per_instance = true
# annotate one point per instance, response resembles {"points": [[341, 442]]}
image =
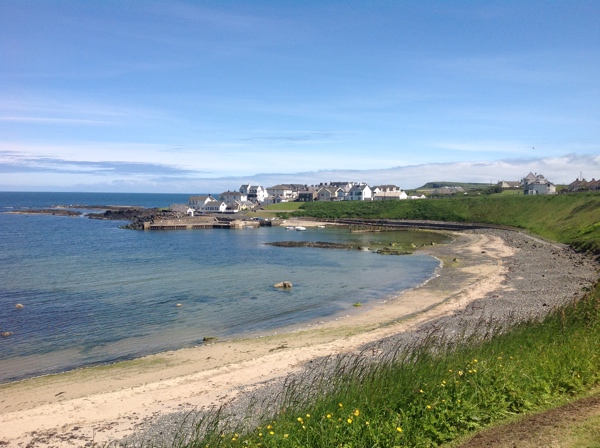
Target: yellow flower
{"points": [[460, 372], [421, 391], [307, 415], [260, 434], [328, 415], [428, 407], [271, 432], [474, 370], [300, 420], [356, 412], [474, 360], [450, 370], [367, 423], [341, 405], [269, 427], [399, 429], [285, 436], [349, 420], [303, 427]]}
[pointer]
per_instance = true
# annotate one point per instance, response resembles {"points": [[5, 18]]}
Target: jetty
{"points": [[201, 222]]}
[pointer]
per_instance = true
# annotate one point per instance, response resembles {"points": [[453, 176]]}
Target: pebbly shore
{"points": [[538, 278]]}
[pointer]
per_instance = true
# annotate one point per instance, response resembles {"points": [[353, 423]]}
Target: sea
{"points": [[94, 293]]}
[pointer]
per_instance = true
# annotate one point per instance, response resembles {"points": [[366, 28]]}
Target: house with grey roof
{"points": [[197, 202]]}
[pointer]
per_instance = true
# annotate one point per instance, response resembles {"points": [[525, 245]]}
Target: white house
{"points": [[229, 197], [539, 185], [359, 192], [197, 202], [285, 192], [214, 207], [390, 195], [330, 194], [254, 192], [182, 208]]}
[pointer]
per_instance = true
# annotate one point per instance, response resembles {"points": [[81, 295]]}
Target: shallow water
{"points": [[94, 293]]}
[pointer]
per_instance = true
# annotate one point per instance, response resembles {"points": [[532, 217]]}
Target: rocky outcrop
{"points": [[284, 285]]}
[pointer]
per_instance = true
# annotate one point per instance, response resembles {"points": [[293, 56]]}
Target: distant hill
{"points": [[465, 185]]}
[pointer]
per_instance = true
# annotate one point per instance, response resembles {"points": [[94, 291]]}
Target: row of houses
{"points": [[584, 185], [250, 196]]}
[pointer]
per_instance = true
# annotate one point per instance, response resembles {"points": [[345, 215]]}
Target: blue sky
{"points": [[141, 96]]}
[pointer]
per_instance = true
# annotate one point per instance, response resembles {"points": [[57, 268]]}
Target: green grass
{"points": [[284, 206], [567, 218]]}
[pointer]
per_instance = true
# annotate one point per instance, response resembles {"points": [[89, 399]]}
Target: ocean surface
{"points": [[94, 293]]}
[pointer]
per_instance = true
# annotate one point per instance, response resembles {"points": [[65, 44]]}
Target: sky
{"points": [[196, 96]]}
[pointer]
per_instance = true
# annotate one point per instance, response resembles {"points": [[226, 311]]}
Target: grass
{"points": [[427, 395], [567, 218]]}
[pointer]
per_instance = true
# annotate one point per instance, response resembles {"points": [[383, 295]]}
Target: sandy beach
{"points": [[104, 403]]}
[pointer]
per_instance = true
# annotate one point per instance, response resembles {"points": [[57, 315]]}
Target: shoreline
{"points": [[109, 402]]}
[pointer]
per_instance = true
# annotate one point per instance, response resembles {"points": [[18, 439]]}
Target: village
{"points": [[250, 197]]}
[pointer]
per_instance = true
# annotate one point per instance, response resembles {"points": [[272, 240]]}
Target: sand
{"points": [[105, 403]]}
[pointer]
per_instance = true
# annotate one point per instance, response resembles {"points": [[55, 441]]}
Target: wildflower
{"points": [[421, 391], [341, 405], [460, 372], [443, 381], [269, 427], [307, 415], [349, 421], [285, 436], [366, 423], [428, 407], [474, 360], [399, 429], [450, 370], [328, 415], [300, 420], [474, 370], [303, 427], [271, 433], [356, 412], [260, 434]]}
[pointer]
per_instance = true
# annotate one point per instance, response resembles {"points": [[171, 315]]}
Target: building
{"points": [[359, 192], [229, 197], [390, 195], [197, 202], [254, 193], [214, 207], [537, 184]]}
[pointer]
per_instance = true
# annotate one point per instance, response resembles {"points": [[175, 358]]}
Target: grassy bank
{"points": [[431, 394], [571, 218]]}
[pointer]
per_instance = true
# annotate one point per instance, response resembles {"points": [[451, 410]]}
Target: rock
{"points": [[455, 260], [6, 334], [209, 339], [19, 306], [284, 285], [179, 304]]}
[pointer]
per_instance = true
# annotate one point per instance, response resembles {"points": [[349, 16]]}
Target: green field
{"points": [[567, 218]]}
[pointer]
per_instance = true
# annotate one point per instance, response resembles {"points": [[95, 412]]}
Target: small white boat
{"points": [[290, 228], [321, 226], [300, 228]]}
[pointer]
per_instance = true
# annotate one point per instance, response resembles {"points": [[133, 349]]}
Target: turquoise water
{"points": [[94, 293]]}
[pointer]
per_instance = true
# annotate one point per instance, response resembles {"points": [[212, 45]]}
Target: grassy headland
{"points": [[572, 219]]}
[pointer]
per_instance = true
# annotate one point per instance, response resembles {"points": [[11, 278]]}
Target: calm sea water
{"points": [[94, 293]]}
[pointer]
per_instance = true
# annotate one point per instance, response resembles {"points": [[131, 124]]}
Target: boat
{"points": [[290, 228], [300, 228]]}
